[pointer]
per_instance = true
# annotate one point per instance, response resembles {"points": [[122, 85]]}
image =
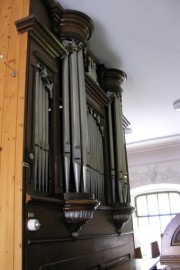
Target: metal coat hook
{"points": [[13, 73]]}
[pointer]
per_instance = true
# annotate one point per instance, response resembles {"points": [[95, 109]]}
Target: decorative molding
{"points": [[78, 210], [37, 199], [55, 12], [112, 80], [153, 145], [98, 119], [67, 239], [121, 214], [153, 174], [72, 45], [91, 68], [45, 62], [76, 25], [176, 237], [41, 34]]}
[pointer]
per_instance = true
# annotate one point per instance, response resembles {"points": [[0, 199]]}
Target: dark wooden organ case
{"points": [[71, 222]]}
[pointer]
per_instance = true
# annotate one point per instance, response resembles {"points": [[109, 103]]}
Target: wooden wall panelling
{"points": [[4, 33], [5, 14], [82, 254], [87, 261], [54, 226], [98, 243], [14, 48], [19, 151]]}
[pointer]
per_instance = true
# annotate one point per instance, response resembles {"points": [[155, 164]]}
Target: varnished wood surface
{"points": [[12, 92], [97, 244]]}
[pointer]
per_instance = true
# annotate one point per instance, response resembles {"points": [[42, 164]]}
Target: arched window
{"points": [[157, 209], [156, 205]]}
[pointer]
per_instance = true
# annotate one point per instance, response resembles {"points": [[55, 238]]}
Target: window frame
{"points": [[159, 215]]}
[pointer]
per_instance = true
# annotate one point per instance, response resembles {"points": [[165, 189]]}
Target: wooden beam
{"points": [[14, 48]]}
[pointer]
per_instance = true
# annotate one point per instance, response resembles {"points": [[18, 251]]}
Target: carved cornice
{"points": [[55, 12], [41, 34], [75, 25]]}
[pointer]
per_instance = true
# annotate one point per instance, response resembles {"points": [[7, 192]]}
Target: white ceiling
{"points": [[141, 37]]}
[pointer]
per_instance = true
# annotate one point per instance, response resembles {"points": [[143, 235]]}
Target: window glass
{"points": [[164, 207], [153, 204], [141, 206], [154, 223], [164, 222], [143, 222], [157, 209], [174, 200]]}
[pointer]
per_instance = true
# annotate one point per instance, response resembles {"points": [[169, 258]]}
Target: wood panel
{"points": [[97, 246], [12, 91]]}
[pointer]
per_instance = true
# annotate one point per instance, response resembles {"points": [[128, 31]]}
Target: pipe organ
{"points": [[76, 182], [96, 160]]}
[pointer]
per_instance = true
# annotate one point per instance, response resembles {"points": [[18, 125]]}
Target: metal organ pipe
{"points": [[66, 122], [83, 119]]}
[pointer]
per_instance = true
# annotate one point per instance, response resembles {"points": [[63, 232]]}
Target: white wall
{"points": [[154, 163], [152, 167]]}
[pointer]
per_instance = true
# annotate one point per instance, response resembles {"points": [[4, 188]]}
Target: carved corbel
{"points": [[121, 214], [78, 210]]}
